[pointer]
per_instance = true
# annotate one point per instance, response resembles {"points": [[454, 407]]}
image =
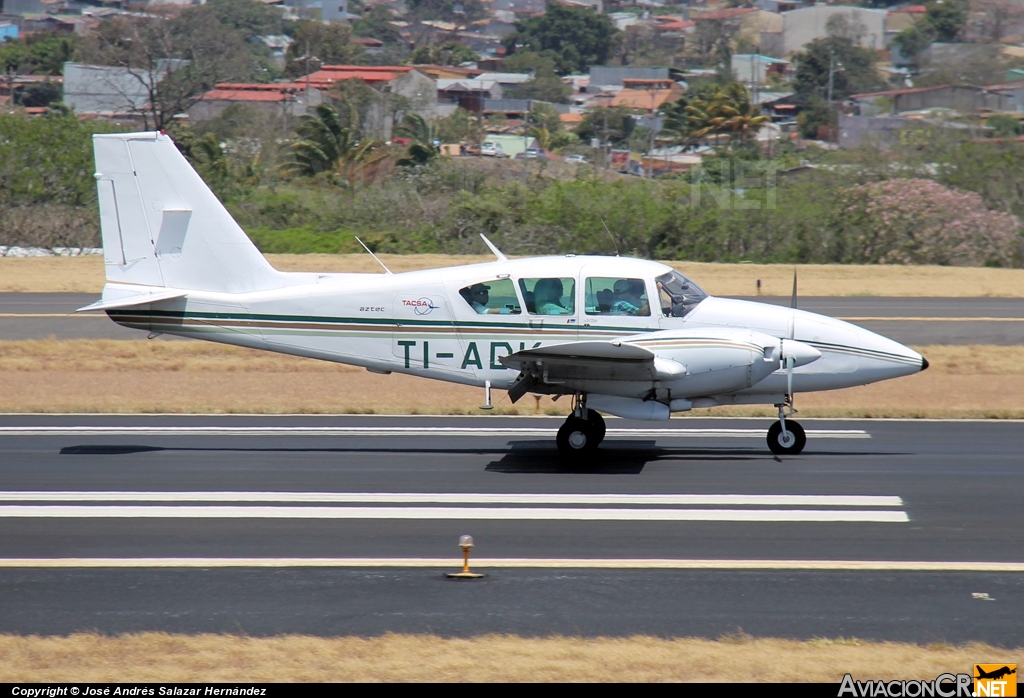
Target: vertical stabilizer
{"points": [[162, 226]]}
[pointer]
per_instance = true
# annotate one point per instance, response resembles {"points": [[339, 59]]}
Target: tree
{"points": [[998, 17], [853, 69], [912, 41], [448, 53], [448, 10], [947, 18], [919, 221], [543, 64], [329, 43], [38, 54], [376, 24], [457, 126], [173, 60], [577, 36], [330, 144], [249, 17], [39, 94], [729, 111], [608, 124], [816, 114], [642, 45], [421, 150], [968, 64], [545, 89], [712, 42], [1004, 125]]}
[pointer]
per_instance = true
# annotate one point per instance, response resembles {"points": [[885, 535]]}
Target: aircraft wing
{"points": [[612, 360], [123, 296]]}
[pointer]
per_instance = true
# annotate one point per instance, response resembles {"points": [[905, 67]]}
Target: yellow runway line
{"points": [[519, 563]]}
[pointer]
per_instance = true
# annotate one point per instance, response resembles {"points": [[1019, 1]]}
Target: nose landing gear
{"points": [[786, 437], [582, 431]]}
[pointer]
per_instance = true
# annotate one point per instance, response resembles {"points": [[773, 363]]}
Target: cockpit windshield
{"points": [[678, 294]]}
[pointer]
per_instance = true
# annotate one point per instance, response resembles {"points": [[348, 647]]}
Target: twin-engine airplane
{"points": [[625, 337]]}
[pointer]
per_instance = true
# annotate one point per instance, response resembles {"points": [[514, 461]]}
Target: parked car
{"points": [[473, 149], [576, 159], [494, 150], [532, 153]]}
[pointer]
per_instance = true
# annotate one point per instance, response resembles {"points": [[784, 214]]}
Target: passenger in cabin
{"points": [[548, 297]]}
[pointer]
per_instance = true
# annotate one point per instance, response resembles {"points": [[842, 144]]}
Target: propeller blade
{"points": [[792, 302]]}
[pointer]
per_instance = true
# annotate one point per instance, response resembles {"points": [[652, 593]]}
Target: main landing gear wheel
{"points": [[597, 420], [789, 442], [577, 437]]}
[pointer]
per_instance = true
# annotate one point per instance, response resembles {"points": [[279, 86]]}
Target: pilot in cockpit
{"points": [[478, 296]]}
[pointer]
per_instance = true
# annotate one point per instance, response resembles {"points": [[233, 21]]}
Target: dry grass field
{"points": [[153, 657], [85, 275], [200, 377]]}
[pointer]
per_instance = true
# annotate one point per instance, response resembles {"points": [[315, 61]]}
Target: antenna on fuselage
{"points": [[386, 270], [614, 244], [494, 249]]}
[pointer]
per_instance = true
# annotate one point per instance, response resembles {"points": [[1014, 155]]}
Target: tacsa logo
{"points": [[995, 680], [420, 306]]}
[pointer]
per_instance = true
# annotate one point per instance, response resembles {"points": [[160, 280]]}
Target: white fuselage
{"points": [[419, 323]]}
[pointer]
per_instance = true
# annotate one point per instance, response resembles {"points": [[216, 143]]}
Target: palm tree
{"points": [[327, 144], [728, 111], [421, 150], [738, 115]]}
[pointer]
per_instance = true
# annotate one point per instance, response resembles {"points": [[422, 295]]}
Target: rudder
{"points": [[162, 226]]}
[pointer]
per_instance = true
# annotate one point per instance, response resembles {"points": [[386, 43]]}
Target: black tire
{"points": [[577, 437], [597, 420], [778, 446]]}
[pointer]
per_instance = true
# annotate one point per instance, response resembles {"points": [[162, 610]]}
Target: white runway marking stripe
{"points": [[549, 563], [798, 500], [408, 431], [451, 513]]}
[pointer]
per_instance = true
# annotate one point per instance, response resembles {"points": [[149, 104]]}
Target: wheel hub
{"points": [[577, 439]]}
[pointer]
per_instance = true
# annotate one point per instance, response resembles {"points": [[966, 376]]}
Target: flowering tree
{"points": [[919, 221]]}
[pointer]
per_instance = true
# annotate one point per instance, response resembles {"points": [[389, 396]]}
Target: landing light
{"points": [[466, 543]]}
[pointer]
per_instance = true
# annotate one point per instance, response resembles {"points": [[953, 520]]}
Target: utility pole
{"points": [[755, 78], [607, 147], [12, 73], [831, 74]]}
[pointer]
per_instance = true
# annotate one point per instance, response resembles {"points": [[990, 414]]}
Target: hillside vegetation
{"points": [[957, 204]]}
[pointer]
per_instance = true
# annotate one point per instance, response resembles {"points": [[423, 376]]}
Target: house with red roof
{"points": [[277, 99]]}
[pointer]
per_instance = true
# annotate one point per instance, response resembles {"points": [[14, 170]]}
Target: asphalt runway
{"points": [[915, 321], [899, 530]]}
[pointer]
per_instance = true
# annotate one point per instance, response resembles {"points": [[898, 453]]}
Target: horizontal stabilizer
{"points": [[115, 297]]}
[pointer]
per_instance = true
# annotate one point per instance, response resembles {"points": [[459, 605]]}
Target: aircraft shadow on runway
{"points": [[619, 457], [614, 457]]}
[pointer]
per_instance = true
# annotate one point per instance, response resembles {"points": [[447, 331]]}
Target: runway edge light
{"points": [[466, 543]]}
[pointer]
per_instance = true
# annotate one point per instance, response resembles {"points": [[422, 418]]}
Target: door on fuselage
{"points": [[552, 311], [424, 337]]}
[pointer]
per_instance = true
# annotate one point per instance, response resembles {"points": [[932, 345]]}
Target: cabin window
{"points": [[678, 294], [549, 296], [497, 297], [616, 295]]}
